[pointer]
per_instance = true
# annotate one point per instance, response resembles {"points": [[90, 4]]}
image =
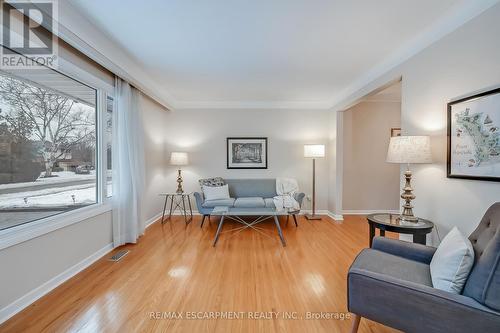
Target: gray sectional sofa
{"points": [[244, 193]]}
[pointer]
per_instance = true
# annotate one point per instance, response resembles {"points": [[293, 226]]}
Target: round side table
{"points": [[391, 222]]}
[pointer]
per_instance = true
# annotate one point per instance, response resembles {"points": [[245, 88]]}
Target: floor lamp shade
{"points": [[314, 152]]}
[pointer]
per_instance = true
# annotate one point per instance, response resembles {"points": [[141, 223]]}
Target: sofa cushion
{"points": [[239, 188], [269, 203], [221, 202], [397, 267], [249, 202], [483, 283], [216, 192]]}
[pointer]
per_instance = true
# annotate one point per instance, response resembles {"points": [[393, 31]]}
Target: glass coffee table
{"points": [[237, 214]]}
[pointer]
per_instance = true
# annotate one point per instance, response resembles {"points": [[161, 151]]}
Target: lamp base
{"points": [[179, 190], [313, 217]]}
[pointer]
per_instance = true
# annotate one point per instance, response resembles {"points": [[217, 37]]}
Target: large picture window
{"points": [[48, 143]]}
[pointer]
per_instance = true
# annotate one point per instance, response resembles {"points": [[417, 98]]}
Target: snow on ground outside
{"points": [[62, 177], [53, 197], [59, 195]]}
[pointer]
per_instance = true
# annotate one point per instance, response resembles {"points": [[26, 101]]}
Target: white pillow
{"points": [[216, 192], [452, 262]]}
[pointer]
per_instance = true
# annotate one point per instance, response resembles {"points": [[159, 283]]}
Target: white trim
{"points": [[29, 298], [294, 105], [369, 211], [27, 231], [153, 220], [334, 216], [157, 217]]}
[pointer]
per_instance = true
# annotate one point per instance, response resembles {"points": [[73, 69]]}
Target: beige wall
{"points": [[369, 183], [461, 63]]}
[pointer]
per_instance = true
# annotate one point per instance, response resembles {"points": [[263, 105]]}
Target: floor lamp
{"points": [[314, 152]]}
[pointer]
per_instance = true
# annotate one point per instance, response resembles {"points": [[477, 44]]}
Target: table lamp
{"points": [[407, 150], [179, 158], [314, 152]]}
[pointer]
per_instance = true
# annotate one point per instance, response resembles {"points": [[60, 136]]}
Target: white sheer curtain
{"points": [[128, 165]]}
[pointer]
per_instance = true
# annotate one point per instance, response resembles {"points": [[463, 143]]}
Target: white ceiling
{"points": [[262, 52]]}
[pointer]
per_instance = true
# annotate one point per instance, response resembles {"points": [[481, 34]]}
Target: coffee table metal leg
{"points": [[218, 230], [279, 230]]}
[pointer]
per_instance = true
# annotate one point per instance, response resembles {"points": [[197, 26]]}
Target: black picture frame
{"points": [[449, 173], [230, 165]]}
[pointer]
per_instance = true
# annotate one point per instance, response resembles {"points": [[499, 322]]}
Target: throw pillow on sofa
{"points": [[216, 192], [452, 262], [215, 181]]}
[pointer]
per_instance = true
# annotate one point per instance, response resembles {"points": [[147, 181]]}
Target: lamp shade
{"points": [[409, 149], [178, 158], [314, 151]]}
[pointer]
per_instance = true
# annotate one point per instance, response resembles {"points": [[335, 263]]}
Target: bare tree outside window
{"points": [[47, 148]]}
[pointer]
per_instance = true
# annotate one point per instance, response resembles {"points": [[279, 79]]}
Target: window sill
{"points": [[22, 233]]}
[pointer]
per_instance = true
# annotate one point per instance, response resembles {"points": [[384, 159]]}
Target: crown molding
{"points": [[444, 26], [299, 105]]}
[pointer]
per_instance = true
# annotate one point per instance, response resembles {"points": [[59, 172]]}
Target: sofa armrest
{"points": [[412, 307], [199, 201], [412, 251]]}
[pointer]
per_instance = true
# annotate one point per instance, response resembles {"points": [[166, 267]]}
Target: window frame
{"points": [[24, 232]]}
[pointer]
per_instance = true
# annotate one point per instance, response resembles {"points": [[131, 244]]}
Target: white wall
{"points": [[461, 63], [31, 264], [203, 134]]}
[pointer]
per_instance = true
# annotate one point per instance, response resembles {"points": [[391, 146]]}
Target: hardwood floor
{"points": [[174, 268]]}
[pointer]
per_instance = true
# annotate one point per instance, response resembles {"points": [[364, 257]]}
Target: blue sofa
{"points": [[244, 193]]}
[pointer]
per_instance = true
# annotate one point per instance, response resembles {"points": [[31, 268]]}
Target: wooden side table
{"points": [[391, 222], [178, 201]]}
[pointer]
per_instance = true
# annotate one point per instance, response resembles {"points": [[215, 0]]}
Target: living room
{"points": [[234, 166]]}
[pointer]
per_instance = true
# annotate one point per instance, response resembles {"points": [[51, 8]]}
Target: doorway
{"points": [[369, 183]]}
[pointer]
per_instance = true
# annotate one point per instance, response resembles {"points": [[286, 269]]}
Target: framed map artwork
{"points": [[474, 137]]}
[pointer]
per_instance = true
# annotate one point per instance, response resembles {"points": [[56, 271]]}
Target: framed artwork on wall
{"points": [[474, 137], [246, 153]]}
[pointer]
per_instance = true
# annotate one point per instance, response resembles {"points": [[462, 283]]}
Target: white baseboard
{"points": [[157, 217], [369, 211], [336, 217], [153, 220], [24, 301]]}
